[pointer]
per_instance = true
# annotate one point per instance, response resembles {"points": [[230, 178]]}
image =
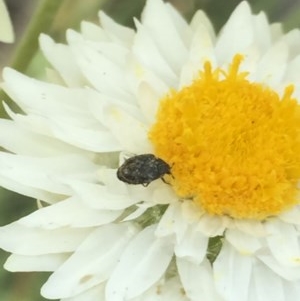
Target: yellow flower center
{"points": [[233, 145]]}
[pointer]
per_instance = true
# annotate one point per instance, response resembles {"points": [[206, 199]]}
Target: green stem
{"points": [[41, 22]]}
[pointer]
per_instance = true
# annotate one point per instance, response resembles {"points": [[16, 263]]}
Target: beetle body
{"points": [[142, 169]]}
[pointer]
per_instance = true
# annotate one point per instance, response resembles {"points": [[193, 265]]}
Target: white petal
{"points": [[65, 111], [68, 213], [115, 31], [21, 263], [292, 290], [91, 263], [267, 284], [21, 240], [262, 33], [193, 246], [292, 70], [142, 263], [105, 74], [18, 139], [93, 32], [232, 272], [292, 38], [148, 100], [201, 50], [99, 197], [61, 58], [6, 29], [212, 225], [288, 273], [150, 58], [276, 31], [92, 294], [201, 20], [162, 193], [164, 290], [251, 227], [44, 172], [164, 33], [182, 27], [36, 96], [291, 216], [129, 131], [283, 243], [197, 280], [172, 222], [135, 214], [268, 72], [236, 35], [244, 243]]}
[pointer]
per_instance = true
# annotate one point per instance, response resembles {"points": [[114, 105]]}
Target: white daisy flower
{"points": [[214, 216]]}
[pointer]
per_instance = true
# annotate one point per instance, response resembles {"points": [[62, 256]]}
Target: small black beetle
{"points": [[142, 169]]}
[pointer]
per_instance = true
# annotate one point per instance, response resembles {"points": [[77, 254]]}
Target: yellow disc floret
{"points": [[233, 145]]}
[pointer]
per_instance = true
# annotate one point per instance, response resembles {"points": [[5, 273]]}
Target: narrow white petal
{"points": [[105, 74], [61, 58], [148, 100], [25, 190], [172, 222], [232, 272], [138, 212], [69, 213], [142, 263], [182, 27], [64, 110], [251, 227], [129, 131], [276, 31], [288, 273], [97, 196], [193, 246], [200, 19], [150, 58], [164, 33], [292, 290], [115, 31], [44, 172], [97, 139], [91, 263], [284, 243], [93, 32], [292, 70], [165, 290], [244, 243], [138, 74], [92, 294], [211, 225], [267, 284], [21, 240], [262, 33], [17, 139], [291, 216], [268, 72], [34, 95], [197, 280], [47, 262], [201, 50], [236, 35], [292, 38]]}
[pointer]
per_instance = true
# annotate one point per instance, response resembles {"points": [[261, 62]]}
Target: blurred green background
{"points": [[58, 15]]}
